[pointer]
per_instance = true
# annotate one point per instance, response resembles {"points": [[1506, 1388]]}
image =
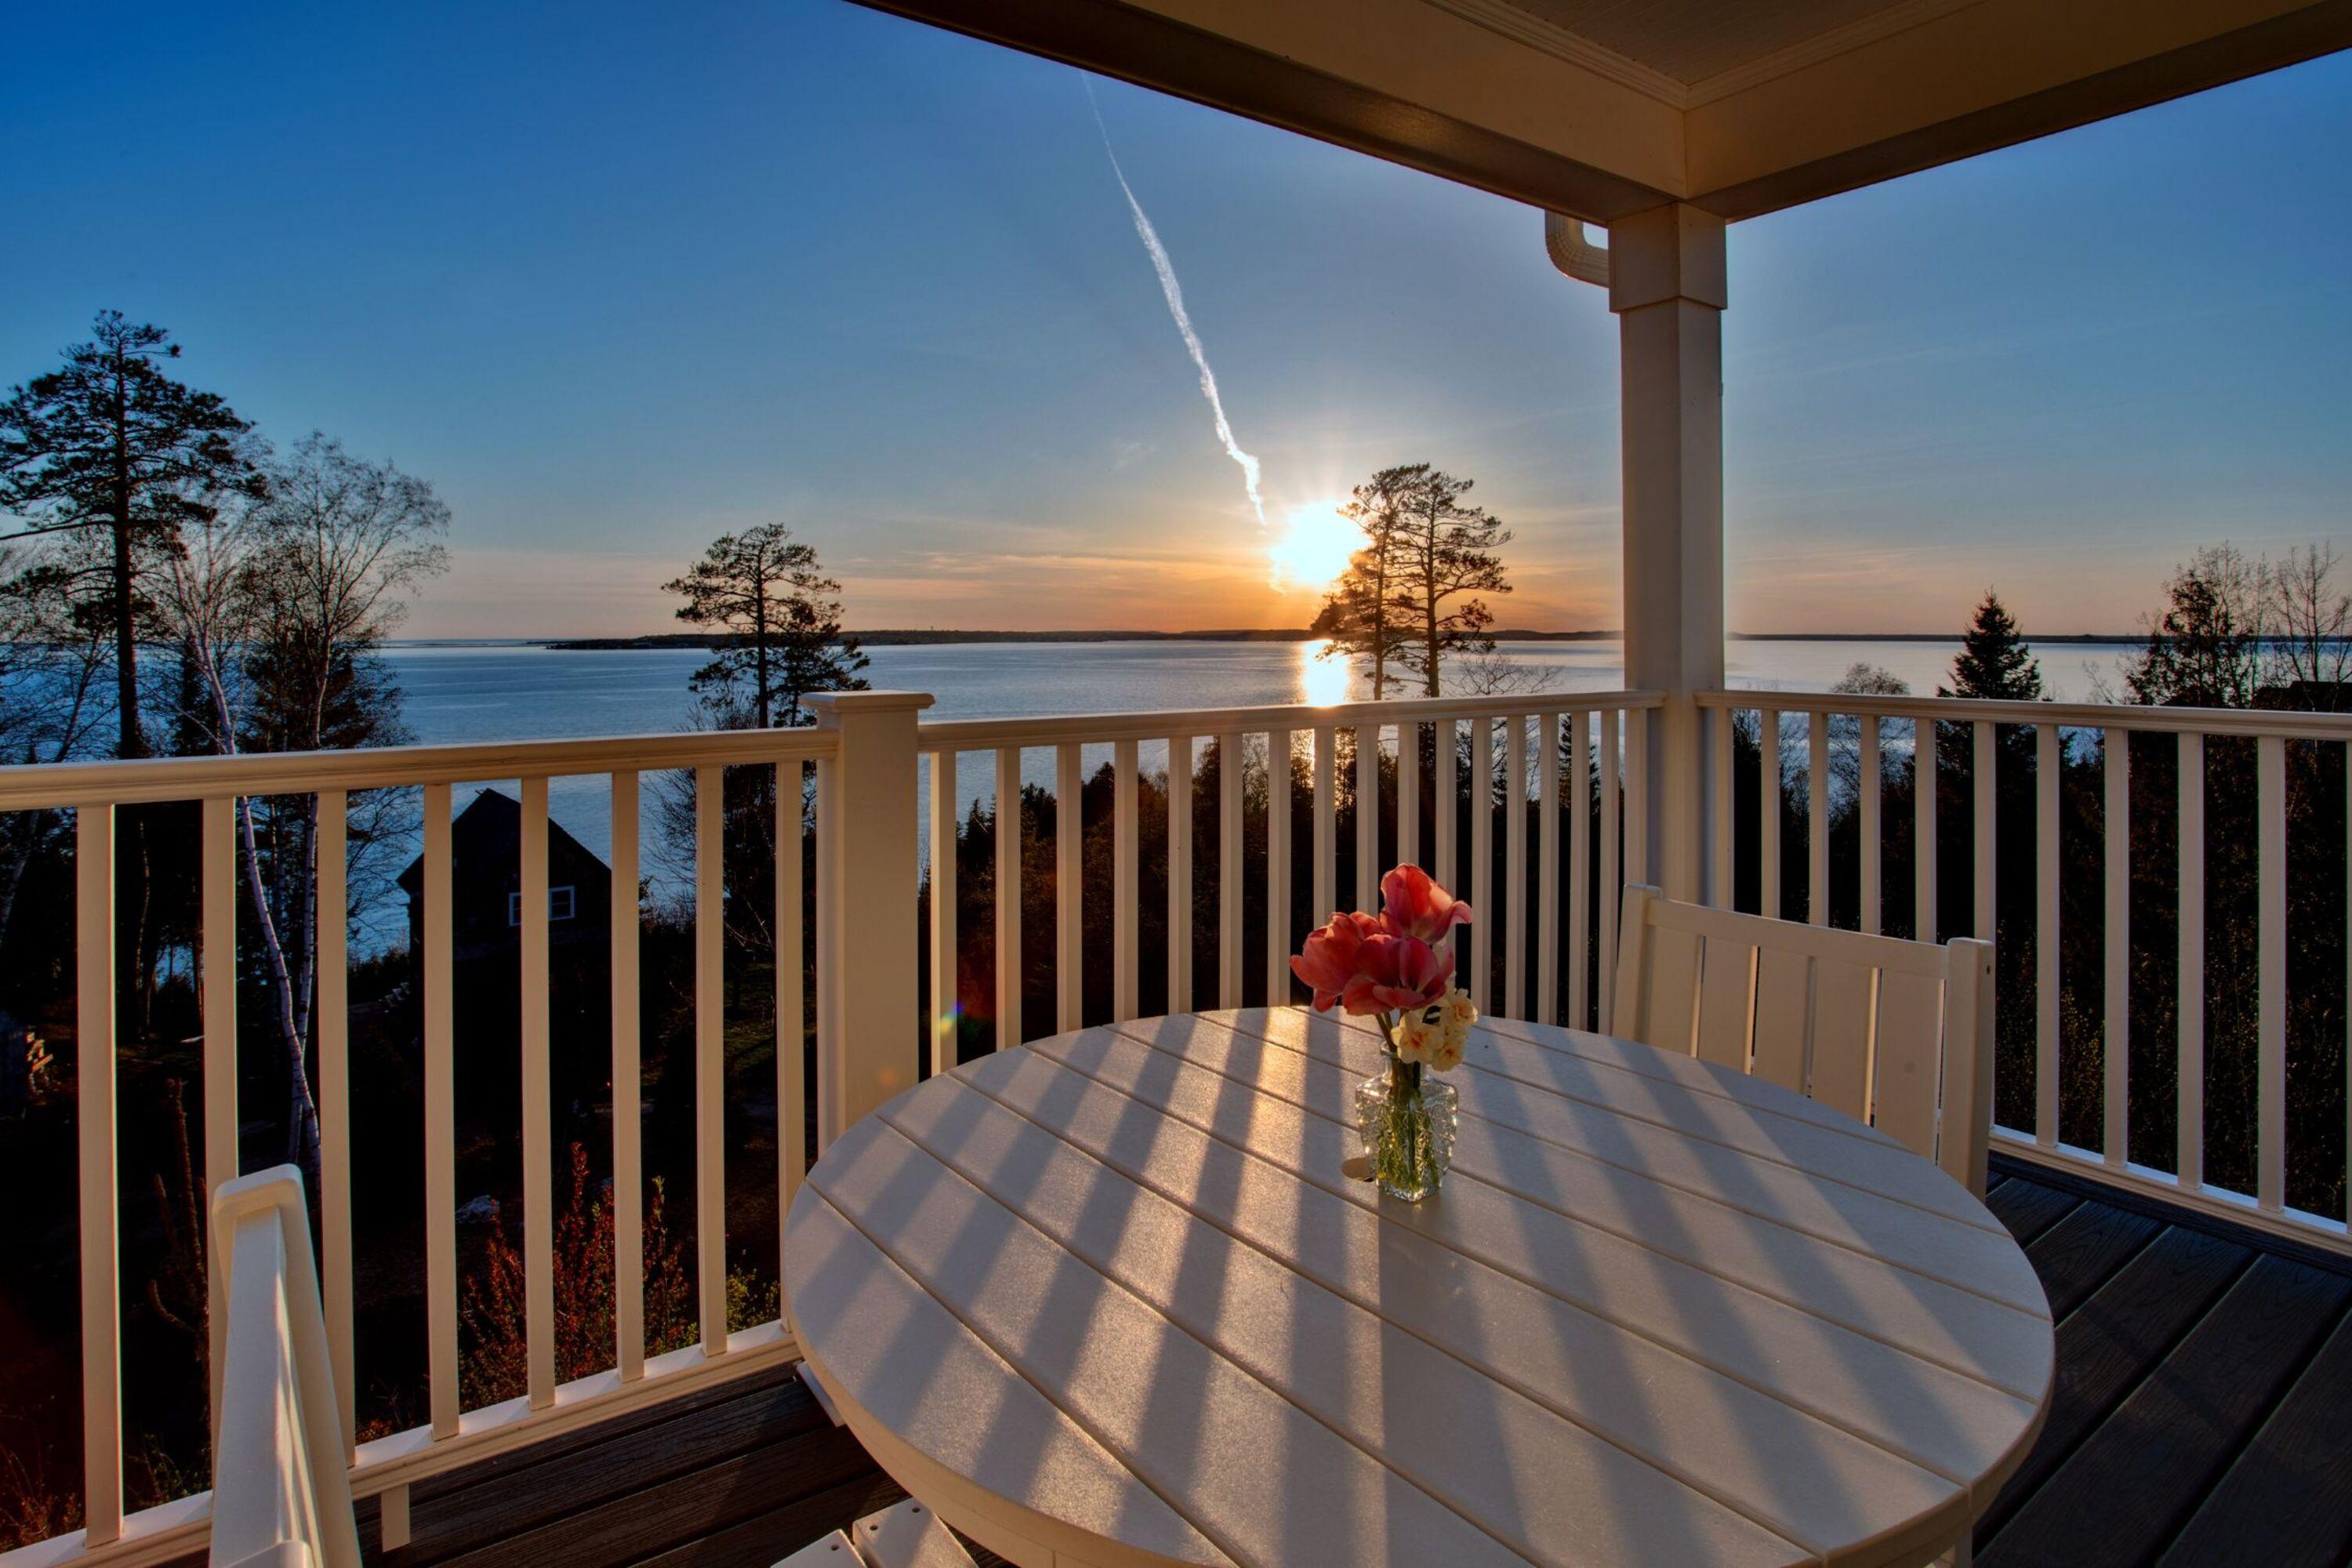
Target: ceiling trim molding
{"points": [[1526, 28], [1855, 35]]}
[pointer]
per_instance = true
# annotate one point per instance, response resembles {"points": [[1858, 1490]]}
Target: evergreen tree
{"points": [[2205, 648], [1994, 662], [1362, 617], [1447, 554], [780, 627], [110, 445]]}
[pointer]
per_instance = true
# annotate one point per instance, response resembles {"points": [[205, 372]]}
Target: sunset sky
{"points": [[616, 279]]}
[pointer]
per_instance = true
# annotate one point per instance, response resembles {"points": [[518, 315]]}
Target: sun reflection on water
{"points": [[1322, 682]]}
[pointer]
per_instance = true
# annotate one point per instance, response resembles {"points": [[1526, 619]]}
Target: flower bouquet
{"points": [[1398, 967]]}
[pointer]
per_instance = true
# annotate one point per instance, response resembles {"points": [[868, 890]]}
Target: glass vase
{"points": [[1406, 1119]]}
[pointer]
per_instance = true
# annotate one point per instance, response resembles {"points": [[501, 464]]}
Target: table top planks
{"points": [[1109, 1299]]}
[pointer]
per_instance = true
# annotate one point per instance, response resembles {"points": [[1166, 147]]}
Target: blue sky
{"points": [[616, 279]]}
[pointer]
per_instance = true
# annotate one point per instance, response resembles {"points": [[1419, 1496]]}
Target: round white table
{"points": [[1110, 1299]]}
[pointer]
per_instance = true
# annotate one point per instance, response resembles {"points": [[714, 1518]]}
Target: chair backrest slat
{"points": [[1726, 1007], [1891, 1032], [1842, 1002], [1669, 1020], [1784, 1000], [1904, 1080]]}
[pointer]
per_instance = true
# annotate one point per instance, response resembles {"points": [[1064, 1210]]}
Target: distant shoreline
{"points": [[912, 638]]}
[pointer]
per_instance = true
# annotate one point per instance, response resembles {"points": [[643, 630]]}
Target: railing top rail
{"points": [[981, 734], [2293, 725], [38, 787]]}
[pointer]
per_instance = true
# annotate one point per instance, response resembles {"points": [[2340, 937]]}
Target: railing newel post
{"points": [[869, 1023]]}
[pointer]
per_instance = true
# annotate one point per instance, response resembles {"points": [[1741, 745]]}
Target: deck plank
{"points": [[2108, 1346], [637, 1523], [2083, 1251], [2029, 1208], [2287, 1500], [2124, 1493], [503, 1499]]}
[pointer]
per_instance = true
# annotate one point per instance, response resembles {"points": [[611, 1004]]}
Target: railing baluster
{"points": [[711, 1058], [1408, 802], [2190, 1009], [538, 1195], [1442, 821], [1008, 896], [792, 988], [1482, 861], [2049, 761], [1723, 830], [1069, 881], [2115, 1053], [1327, 898], [1515, 865], [1579, 872], [1368, 816], [1233, 761], [1611, 881], [946, 1010], [218, 997], [1924, 926], [1180, 874], [1985, 833], [1767, 813], [101, 1354], [1817, 817], [333, 1029], [1278, 793], [1637, 799], [1124, 841], [1869, 805], [1547, 867], [628, 1087], [440, 1124], [2271, 1063]]}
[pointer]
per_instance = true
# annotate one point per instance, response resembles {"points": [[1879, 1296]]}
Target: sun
{"points": [[1315, 547]]}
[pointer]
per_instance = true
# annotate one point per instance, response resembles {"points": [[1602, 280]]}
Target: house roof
{"points": [[1599, 109], [488, 833]]}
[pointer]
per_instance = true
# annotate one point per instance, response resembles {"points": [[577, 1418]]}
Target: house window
{"points": [[561, 905]]}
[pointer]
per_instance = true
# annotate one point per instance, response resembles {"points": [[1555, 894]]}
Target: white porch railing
{"points": [[452, 1436], [2197, 739], [1581, 745], [1546, 872]]}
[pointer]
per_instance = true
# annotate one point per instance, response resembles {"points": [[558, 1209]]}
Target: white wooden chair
{"points": [[1897, 1034], [904, 1535]]}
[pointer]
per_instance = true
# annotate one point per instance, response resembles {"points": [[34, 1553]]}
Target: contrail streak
{"points": [[1175, 295]]}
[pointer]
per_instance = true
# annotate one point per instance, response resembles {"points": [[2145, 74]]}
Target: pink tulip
{"points": [[1328, 962], [1396, 972], [1414, 906]]}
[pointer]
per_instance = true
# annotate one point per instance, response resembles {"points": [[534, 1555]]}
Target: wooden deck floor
{"points": [[2203, 1415], [2203, 1412]]}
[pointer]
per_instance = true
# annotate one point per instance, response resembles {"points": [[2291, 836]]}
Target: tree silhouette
{"points": [[781, 624], [110, 443]]}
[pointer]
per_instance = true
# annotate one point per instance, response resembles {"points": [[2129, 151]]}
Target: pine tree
{"points": [[780, 627], [108, 443], [1362, 617], [1995, 663], [2205, 650]]}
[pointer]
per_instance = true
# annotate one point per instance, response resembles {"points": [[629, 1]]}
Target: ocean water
{"points": [[466, 692]]}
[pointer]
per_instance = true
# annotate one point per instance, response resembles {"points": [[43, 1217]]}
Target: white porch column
{"points": [[869, 1016], [1666, 286]]}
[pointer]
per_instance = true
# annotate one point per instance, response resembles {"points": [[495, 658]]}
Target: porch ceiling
{"points": [[1603, 108]]}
